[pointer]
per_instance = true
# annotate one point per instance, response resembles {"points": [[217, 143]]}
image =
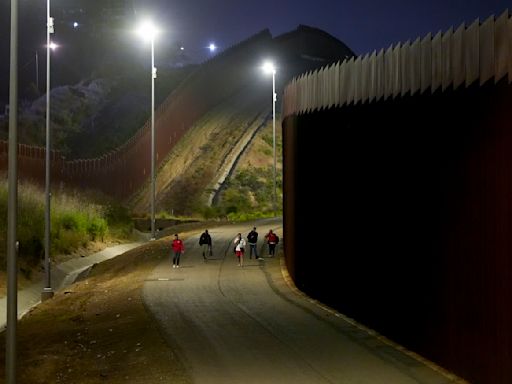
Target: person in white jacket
{"points": [[240, 249]]}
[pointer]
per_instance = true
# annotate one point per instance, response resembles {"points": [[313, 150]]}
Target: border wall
{"points": [[409, 151]]}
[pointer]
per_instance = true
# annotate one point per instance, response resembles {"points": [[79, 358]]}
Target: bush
{"points": [[210, 212], [249, 194], [75, 221], [67, 241], [97, 228], [246, 216], [71, 221]]}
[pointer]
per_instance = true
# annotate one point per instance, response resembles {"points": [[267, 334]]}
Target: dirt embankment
{"points": [[98, 331]]}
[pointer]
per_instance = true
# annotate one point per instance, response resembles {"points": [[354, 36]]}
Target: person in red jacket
{"points": [[178, 248], [272, 240]]}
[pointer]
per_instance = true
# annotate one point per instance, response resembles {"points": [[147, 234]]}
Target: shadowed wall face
{"points": [[421, 190]]}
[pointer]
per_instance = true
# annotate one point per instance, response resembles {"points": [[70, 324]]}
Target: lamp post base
{"points": [[46, 294]]}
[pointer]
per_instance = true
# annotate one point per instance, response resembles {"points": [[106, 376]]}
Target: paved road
{"points": [[235, 325]]}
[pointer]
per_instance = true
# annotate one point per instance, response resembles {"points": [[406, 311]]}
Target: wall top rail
{"points": [[459, 57]]}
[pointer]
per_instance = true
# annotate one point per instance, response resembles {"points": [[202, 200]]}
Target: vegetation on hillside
{"points": [[249, 193], [234, 138], [95, 116], [76, 221]]}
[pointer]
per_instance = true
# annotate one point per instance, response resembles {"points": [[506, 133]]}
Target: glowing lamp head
{"points": [[53, 46], [212, 47], [269, 68], [147, 31]]}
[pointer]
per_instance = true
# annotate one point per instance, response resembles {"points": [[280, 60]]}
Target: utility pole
{"points": [[37, 72], [47, 290], [12, 205]]}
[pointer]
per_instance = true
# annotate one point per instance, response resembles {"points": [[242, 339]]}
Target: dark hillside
{"points": [[94, 116], [98, 114], [203, 163], [126, 108]]}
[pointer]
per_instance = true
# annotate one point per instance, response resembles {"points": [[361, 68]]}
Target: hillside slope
{"points": [[94, 116], [228, 96], [225, 159], [195, 165]]}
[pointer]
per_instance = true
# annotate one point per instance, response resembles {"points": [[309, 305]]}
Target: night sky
{"points": [[364, 25]]}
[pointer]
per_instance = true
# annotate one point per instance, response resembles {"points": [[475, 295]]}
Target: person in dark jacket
{"points": [[206, 242], [252, 240]]}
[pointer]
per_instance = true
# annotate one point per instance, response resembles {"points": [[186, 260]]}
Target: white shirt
{"points": [[241, 244]]}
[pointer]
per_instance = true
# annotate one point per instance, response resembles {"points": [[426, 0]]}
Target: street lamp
{"points": [[12, 206], [47, 289], [199, 53], [269, 68], [37, 72], [148, 32]]}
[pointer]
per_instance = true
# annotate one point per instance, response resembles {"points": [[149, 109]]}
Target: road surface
{"points": [[231, 324]]}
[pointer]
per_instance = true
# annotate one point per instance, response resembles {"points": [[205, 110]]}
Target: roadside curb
{"points": [[442, 371], [63, 275]]}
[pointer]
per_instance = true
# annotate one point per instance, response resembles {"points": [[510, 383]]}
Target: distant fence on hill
{"points": [[122, 171], [460, 57]]}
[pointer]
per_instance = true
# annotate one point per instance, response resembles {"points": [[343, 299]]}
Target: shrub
{"points": [[210, 212], [75, 220], [163, 215], [67, 241], [71, 221], [97, 228]]}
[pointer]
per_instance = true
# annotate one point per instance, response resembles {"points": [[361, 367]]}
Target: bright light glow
{"points": [[182, 48], [75, 25], [212, 47], [268, 67], [53, 46], [147, 30]]}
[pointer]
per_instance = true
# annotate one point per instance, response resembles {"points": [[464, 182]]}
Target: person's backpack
{"points": [[277, 239]]}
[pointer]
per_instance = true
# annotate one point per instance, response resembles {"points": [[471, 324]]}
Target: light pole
{"points": [[148, 31], [47, 289], [12, 205], [37, 72], [269, 68]]}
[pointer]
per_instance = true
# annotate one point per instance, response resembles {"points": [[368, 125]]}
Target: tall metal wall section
{"points": [[409, 151], [475, 53]]}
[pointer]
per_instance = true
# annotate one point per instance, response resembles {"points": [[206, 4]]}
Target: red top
{"points": [[177, 245], [271, 238]]}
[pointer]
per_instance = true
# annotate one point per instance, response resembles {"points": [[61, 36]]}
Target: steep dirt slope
{"points": [[217, 145], [198, 161]]}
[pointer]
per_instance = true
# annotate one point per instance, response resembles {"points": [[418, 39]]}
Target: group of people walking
{"points": [[252, 240], [239, 245]]}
